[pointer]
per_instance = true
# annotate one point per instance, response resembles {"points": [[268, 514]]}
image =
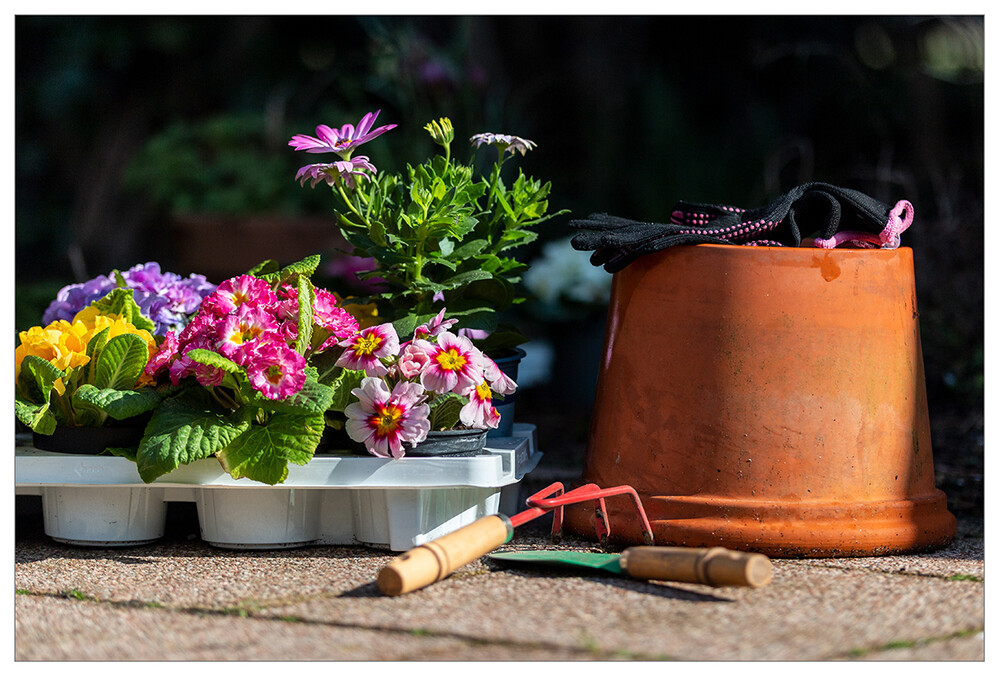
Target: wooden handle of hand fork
{"points": [[429, 563]]}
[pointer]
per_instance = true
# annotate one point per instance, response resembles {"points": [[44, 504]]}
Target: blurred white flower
{"points": [[563, 277]]}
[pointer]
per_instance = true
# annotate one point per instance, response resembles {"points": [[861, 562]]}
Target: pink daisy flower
{"points": [[341, 141], [453, 365], [331, 172], [383, 420], [479, 412], [275, 370], [367, 348]]}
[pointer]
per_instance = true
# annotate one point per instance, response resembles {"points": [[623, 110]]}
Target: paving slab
{"points": [[321, 603]]}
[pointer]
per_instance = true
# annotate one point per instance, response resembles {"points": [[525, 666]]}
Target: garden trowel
{"points": [[715, 566]]}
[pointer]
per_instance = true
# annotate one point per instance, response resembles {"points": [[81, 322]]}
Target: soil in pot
{"points": [[90, 440]]}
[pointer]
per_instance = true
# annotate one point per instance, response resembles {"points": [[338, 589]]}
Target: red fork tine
{"points": [[554, 498]]}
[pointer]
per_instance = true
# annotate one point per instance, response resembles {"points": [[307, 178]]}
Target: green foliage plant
{"points": [[441, 233]]}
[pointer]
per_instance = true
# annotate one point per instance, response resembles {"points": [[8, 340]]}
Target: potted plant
{"points": [[440, 232], [247, 393], [80, 384], [434, 392]]}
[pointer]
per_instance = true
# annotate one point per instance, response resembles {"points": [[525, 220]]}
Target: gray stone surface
{"points": [[180, 599]]}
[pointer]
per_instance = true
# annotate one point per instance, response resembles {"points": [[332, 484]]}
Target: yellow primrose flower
{"points": [[64, 344]]}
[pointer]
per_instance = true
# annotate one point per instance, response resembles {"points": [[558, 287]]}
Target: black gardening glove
{"points": [[834, 215]]}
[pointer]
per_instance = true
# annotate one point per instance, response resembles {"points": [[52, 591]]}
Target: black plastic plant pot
{"points": [[88, 440], [450, 443]]}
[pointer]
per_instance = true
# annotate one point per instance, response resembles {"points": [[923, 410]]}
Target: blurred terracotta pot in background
{"points": [[767, 399]]}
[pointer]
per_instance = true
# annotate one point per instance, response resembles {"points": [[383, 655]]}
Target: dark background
{"points": [[630, 115]]}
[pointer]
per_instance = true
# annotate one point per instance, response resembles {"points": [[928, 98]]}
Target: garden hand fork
{"points": [[433, 561]]}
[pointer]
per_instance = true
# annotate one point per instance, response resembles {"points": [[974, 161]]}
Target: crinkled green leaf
{"points": [[37, 377], [345, 381], [121, 302], [445, 411], [306, 314], [121, 362], [210, 358], [185, 428], [130, 452], [268, 266], [264, 451], [38, 417], [314, 397], [118, 404]]}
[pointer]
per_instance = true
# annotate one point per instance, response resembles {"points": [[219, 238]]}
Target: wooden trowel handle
{"points": [[717, 566], [435, 560]]}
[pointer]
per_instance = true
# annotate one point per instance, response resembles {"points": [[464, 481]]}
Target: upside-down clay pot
{"points": [[769, 400]]}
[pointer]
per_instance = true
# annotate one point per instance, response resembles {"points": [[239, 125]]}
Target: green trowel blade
{"points": [[594, 561]]}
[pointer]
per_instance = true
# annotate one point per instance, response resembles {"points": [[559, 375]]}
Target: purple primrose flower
{"points": [[164, 297]]}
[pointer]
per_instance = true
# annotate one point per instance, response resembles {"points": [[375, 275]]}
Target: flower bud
{"points": [[441, 131]]}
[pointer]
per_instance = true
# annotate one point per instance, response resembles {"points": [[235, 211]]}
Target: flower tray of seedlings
{"points": [[350, 499]]}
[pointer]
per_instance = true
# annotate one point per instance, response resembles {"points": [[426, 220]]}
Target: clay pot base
{"points": [[782, 530]]}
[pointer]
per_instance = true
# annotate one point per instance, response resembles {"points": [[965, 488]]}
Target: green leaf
{"points": [[314, 397], [209, 358], [264, 451], [94, 349], [185, 428], [121, 302], [37, 377], [265, 267], [118, 404], [123, 452], [121, 362], [346, 381], [306, 314], [38, 417], [445, 412]]}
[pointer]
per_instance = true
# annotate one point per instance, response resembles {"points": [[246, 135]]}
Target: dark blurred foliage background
{"points": [[116, 118]]}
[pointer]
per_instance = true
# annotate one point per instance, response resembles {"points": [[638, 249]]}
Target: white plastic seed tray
{"points": [[339, 500]]}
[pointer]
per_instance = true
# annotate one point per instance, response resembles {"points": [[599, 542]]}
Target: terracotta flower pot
{"points": [[767, 399]]}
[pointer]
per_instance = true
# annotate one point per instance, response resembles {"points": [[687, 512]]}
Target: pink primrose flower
{"points": [[341, 141], [435, 326], [479, 412], [383, 420], [164, 354], [367, 348], [340, 323], [234, 292], [275, 370], [246, 327], [412, 361], [453, 366], [499, 382]]}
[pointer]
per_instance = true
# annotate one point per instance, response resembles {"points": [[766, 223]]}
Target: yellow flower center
{"points": [[387, 420], [484, 392], [451, 360], [366, 345]]}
